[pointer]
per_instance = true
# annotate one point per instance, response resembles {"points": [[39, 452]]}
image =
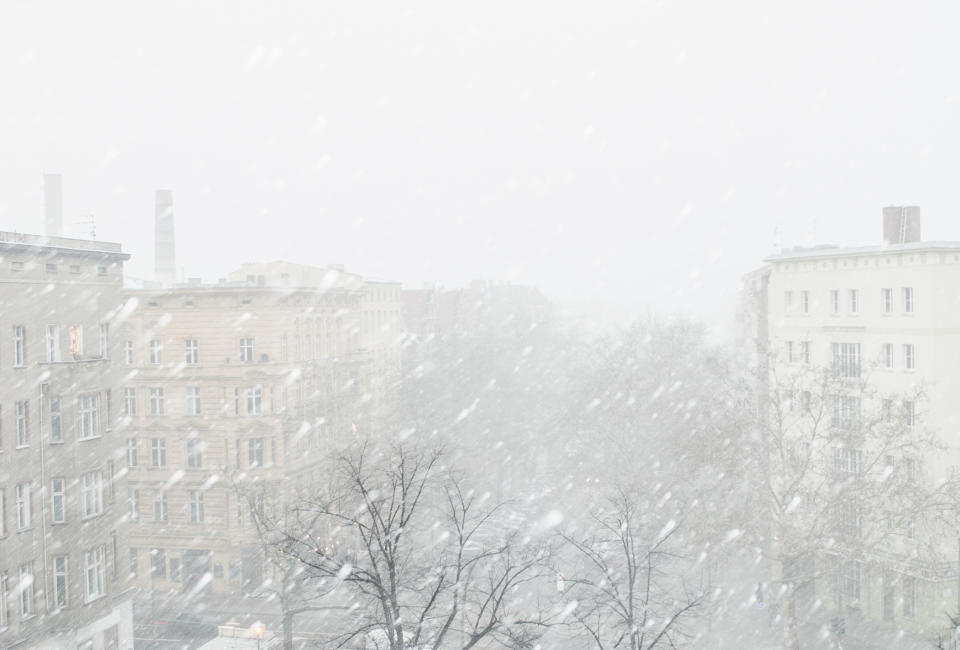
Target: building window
{"points": [[156, 401], [76, 340], [58, 508], [888, 356], [130, 402], [805, 302], [886, 301], [848, 461], [193, 400], [854, 303], [908, 300], [19, 346], [133, 500], [191, 352], [131, 452], [134, 563], [835, 301], [850, 579], [128, 353], [909, 585], [94, 578], [254, 400], [805, 351], [53, 343], [156, 353], [158, 452], [75, 269], [909, 413], [283, 348], [255, 452], [196, 507], [92, 483], [910, 469], [158, 562], [3, 513], [174, 569], [26, 590], [246, 349], [194, 452], [16, 266], [102, 340], [60, 581], [22, 409], [846, 412], [790, 352], [101, 270], [89, 407], [846, 360], [887, 407], [160, 505], [3, 600], [56, 431], [24, 506], [909, 357]]}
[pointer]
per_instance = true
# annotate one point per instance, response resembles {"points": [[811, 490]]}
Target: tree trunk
{"points": [[287, 623]]}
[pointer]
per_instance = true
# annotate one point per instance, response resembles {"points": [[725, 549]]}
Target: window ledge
{"points": [[96, 437]]}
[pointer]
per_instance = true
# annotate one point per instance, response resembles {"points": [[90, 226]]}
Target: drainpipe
{"points": [[43, 499]]}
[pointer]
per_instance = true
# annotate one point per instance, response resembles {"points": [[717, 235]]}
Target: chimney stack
{"points": [[53, 204], [165, 263], [901, 224]]}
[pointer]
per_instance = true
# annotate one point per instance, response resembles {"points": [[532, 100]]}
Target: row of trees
{"points": [[641, 491]]}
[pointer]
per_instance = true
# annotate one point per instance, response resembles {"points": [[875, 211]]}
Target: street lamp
{"points": [[258, 630]]}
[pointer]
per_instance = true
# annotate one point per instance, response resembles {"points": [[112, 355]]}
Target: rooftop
{"points": [[819, 252], [61, 244]]}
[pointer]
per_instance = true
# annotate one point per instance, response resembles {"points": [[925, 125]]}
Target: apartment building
{"points": [[886, 317], [63, 549], [235, 394]]}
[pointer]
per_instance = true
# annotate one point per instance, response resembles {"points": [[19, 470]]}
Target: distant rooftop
{"points": [[799, 253], [64, 244]]}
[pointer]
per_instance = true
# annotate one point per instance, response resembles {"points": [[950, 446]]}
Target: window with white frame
{"points": [[92, 494], [56, 428], [910, 469], [804, 302], [158, 452], [60, 581], [156, 352], [246, 349], [130, 401], [908, 300], [846, 360], [848, 461], [888, 356], [194, 452], [24, 506], [22, 412], [909, 413], [886, 301], [255, 400], [76, 340], [805, 351], [128, 353], [193, 400], [835, 301], [283, 348], [4, 616], [909, 586], [26, 589], [89, 409], [102, 340], [19, 346], [191, 352], [849, 579], [156, 401], [134, 562], [58, 496], [94, 560], [255, 452], [846, 411], [160, 505], [196, 506], [132, 460], [853, 301], [133, 501], [909, 357], [53, 343]]}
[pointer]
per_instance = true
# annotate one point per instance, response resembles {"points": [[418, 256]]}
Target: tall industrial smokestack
{"points": [[165, 262], [901, 224], [53, 204]]}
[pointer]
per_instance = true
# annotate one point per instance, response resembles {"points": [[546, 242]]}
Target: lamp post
{"points": [[258, 630]]}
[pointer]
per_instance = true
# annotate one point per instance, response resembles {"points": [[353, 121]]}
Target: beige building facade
{"points": [[63, 548]]}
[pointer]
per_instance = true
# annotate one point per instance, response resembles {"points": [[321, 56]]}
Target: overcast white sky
{"points": [[638, 152]]}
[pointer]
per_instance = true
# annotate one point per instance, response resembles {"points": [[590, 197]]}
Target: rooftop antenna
{"points": [[90, 226], [776, 239]]}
